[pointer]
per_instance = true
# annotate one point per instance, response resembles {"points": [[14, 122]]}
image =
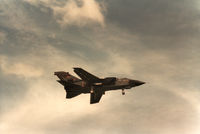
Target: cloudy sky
{"points": [[156, 41]]}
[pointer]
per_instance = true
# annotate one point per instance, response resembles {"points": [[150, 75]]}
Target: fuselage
{"points": [[89, 83], [117, 84]]}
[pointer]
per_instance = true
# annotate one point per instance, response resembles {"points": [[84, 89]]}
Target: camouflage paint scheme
{"points": [[92, 84]]}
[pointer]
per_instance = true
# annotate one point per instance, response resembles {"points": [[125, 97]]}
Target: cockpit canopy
{"points": [[109, 80]]}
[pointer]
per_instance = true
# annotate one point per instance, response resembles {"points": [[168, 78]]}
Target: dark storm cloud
{"points": [[155, 17], [41, 13], [166, 27]]}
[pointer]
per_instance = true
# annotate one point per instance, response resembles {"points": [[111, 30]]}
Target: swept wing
{"points": [[86, 76]]}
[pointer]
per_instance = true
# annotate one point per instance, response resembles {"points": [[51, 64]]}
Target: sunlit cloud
{"points": [[72, 12], [18, 68]]}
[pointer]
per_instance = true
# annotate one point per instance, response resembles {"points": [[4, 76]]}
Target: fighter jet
{"points": [[92, 84]]}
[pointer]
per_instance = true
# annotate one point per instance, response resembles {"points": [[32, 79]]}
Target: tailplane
{"points": [[65, 76], [71, 94]]}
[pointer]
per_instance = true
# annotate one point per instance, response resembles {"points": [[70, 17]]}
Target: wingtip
{"points": [[60, 72], [76, 68]]}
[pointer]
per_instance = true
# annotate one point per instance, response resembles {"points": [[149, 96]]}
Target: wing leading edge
{"points": [[86, 76]]}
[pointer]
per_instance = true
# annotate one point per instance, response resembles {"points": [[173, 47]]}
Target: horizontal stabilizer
{"points": [[68, 84], [95, 97], [70, 94], [65, 76]]}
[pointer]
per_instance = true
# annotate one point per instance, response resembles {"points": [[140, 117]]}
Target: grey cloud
{"points": [[72, 12], [44, 30], [12, 89], [144, 17]]}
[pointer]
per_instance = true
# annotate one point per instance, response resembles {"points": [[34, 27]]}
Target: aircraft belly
{"points": [[86, 90], [116, 87]]}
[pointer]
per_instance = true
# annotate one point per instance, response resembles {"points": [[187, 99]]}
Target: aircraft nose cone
{"points": [[136, 82]]}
